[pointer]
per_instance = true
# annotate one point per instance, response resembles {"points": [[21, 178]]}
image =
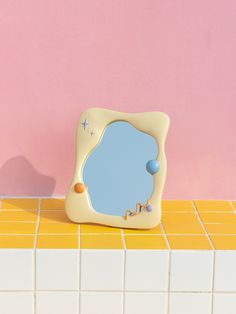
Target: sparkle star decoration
{"points": [[85, 123], [92, 133]]}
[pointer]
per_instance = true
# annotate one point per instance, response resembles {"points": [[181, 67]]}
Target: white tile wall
{"points": [[57, 269], [142, 303], [16, 269], [191, 270], [57, 302], [225, 271], [190, 303], [101, 303], [147, 270], [224, 303], [100, 288], [102, 269], [16, 302]]}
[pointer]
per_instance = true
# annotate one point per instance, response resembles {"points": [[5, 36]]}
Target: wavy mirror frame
{"points": [[91, 127]]}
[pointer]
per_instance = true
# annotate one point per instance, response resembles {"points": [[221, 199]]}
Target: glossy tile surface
{"points": [[102, 270], [145, 242], [20, 203], [213, 206], [57, 241], [101, 241], [189, 242], [197, 225]]}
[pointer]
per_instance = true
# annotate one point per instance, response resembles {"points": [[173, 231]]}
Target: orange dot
{"points": [[79, 187]]}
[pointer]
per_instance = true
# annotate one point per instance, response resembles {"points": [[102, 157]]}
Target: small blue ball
{"points": [[152, 166], [149, 208]]}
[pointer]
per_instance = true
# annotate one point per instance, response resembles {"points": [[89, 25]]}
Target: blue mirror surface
{"points": [[115, 172]]}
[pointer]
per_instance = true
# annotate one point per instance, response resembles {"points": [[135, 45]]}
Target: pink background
{"points": [[58, 58]]}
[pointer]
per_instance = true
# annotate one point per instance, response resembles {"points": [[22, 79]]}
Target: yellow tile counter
{"points": [[194, 225]]}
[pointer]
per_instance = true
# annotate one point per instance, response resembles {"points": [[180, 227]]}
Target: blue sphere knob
{"points": [[152, 166], [149, 208]]}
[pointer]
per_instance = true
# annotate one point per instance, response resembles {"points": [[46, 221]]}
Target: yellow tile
{"points": [[19, 216], [188, 242], [52, 203], [53, 216], [183, 228], [213, 206], [57, 228], [89, 228], [146, 242], [181, 206], [156, 230], [17, 228], [224, 242], [17, 242], [234, 204], [218, 217], [20, 203], [168, 217], [57, 242], [221, 228], [108, 241]]}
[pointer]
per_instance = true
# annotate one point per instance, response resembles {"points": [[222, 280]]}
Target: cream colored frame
{"points": [[78, 206]]}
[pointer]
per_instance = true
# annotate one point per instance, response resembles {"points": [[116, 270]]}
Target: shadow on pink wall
{"points": [[26, 179]]}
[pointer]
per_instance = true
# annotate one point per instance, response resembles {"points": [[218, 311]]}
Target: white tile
{"points": [[190, 303], [146, 270], [224, 303], [225, 271], [191, 270], [57, 302], [16, 303], [140, 303], [102, 269], [16, 269], [101, 303], [57, 269]]}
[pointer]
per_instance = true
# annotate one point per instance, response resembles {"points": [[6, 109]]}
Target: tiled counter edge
{"points": [[74, 281]]}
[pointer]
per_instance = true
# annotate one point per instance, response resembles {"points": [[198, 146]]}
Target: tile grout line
{"points": [[213, 282], [129, 291], [132, 235], [209, 239], [203, 226], [35, 244], [169, 268], [231, 204], [124, 268], [165, 235], [169, 276], [148, 291]]}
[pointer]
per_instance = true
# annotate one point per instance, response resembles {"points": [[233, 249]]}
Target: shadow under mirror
{"points": [[115, 172]]}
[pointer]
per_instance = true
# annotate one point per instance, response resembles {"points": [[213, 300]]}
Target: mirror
{"points": [[115, 171], [120, 169]]}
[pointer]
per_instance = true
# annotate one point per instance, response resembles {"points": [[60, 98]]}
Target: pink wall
{"points": [[59, 57]]}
